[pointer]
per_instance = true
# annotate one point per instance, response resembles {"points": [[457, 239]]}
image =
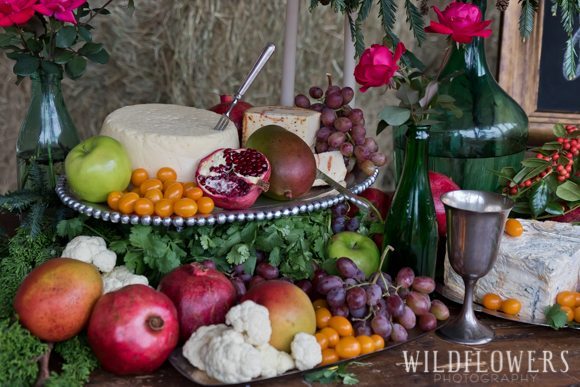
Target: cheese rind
{"points": [[158, 135], [332, 164], [302, 122], [532, 268]]}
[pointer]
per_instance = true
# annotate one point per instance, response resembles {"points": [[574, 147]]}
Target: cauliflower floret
{"points": [[195, 347], [252, 320], [119, 277], [305, 351], [274, 362], [91, 250], [230, 359]]}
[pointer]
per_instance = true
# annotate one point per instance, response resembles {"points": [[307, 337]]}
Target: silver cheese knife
{"points": [[345, 192], [264, 56]]}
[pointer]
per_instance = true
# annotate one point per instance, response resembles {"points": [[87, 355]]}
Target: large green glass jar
{"points": [[411, 225], [491, 133], [47, 133]]}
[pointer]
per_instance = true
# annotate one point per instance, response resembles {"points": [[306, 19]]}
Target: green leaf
{"points": [[554, 208], [26, 65], [9, 39], [85, 34], [559, 130], [238, 254], [539, 197], [556, 317], [101, 57], [529, 8], [522, 208], [568, 191], [445, 98], [533, 163], [394, 115], [415, 20], [90, 48], [381, 126], [76, 67], [51, 68], [70, 228], [62, 56], [65, 37]]}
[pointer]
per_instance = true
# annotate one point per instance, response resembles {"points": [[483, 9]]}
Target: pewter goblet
{"points": [[475, 224]]}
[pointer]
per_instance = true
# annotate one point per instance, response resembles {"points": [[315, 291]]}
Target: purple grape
{"points": [[359, 130], [317, 276], [418, 303], [399, 333], [239, 269], [317, 107], [323, 133], [427, 322], [239, 286], [315, 92], [332, 89], [371, 144], [361, 153], [255, 280], [302, 101], [209, 264], [346, 267], [356, 116], [343, 124], [405, 277], [333, 100], [336, 139], [374, 294], [359, 275], [359, 313], [245, 277], [353, 224], [408, 318], [350, 282], [395, 305], [325, 284], [362, 328], [327, 117], [403, 293], [336, 297], [260, 256], [381, 326], [345, 110], [338, 225], [378, 158], [321, 146], [306, 286], [425, 285], [439, 310], [339, 311], [267, 271], [347, 94], [346, 149], [383, 281], [356, 298], [340, 209], [381, 308]]}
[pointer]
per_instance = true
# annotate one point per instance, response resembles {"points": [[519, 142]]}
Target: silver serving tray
{"points": [[445, 292], [184, 367], [318, 198]]}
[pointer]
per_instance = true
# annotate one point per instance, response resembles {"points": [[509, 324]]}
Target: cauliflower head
{"points": [[93, 250], [230, 359], [194, 348], [120, 277], [274, 362], [252, 320], [306, 351]]}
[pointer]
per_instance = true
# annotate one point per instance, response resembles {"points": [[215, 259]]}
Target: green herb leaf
{"points": [[70, 228], [568, 191], [556, 317], [394, 115], [238, 254], [65, 37], [336, 374], [539, 196], [76, 67]]}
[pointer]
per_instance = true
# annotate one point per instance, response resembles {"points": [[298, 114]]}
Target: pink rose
{"points": [[377, 66], [460, 20], [15, 12], [60, 9]]}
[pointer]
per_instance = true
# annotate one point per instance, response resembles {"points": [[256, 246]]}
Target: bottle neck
{"points": [[417, 151], [47, 85]]}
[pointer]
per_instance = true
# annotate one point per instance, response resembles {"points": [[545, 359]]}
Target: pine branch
{"points": [[529, 8], [19, 201], [568, 11], [570, 59], [415, 20], [364, 10], [388, 15], [357, 36], [339, 6], [34, 220], [313, 4]]}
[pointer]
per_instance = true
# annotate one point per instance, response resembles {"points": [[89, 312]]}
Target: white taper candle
{"points": [[289, 64], [349, 62]]}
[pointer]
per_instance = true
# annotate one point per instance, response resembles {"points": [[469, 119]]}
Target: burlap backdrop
{"points": [[190, 51]]}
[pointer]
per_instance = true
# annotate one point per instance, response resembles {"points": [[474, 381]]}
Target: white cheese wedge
{"points": [[532, 268], [332, 164], [157, 135], [303, 122]]}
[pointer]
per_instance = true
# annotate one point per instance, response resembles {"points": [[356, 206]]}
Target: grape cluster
{"points": [[342, 127], [243, 281], [379, 305], [341, 221]]}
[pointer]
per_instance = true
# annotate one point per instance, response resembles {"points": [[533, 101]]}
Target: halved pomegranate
{"points": [[233, 178]]}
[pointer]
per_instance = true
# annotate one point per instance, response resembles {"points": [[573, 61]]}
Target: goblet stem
{"points": [[467, 309]]}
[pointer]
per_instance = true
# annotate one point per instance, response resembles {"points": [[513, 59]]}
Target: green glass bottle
{"points": [[491, 133], [411, 225], [47, 133]]}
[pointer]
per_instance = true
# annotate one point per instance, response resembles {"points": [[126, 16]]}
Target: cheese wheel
{"points": [[332, 164], [158, 135]]}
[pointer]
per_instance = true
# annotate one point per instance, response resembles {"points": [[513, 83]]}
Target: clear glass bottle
{"points": [[47, 133], [491, 133], [411, 224]]}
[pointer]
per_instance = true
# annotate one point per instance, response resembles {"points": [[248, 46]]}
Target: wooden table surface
{"points": [[549, 358]]}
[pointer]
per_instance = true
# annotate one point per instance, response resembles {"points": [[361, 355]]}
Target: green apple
{"points": [[97, 166], [361, 249]]}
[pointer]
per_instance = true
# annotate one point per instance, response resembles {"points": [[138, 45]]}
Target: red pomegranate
{"points": [[201, 295], [237, 114], [441, 184], [133, 330], [234, 178]]}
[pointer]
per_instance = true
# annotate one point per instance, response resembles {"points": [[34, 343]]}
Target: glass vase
{"points": [[492, 131], [47, 133], [411, 224]]}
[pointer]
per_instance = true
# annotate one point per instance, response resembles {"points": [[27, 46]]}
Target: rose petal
{"points": [[23, 16], [5, 21], [437, 28], [66, 16]]}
